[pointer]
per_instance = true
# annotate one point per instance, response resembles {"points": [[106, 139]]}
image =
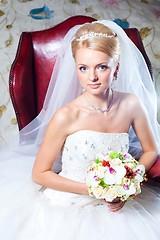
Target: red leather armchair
{"points": [[31, 70]]}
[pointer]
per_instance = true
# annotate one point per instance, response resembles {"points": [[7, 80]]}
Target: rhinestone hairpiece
{"points": [[95, 34]]}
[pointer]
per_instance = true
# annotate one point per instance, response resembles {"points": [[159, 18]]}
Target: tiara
{"points": [[95, 34]]}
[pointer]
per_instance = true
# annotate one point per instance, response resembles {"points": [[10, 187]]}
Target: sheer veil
{"points": [[64, 86]]}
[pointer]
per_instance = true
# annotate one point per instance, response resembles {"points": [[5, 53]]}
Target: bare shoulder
{"points": [[130, 100], [129, 104], [65, 116]]}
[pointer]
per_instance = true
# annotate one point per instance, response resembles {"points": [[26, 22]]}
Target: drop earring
{"points": [[115, 78], [116, 73]]}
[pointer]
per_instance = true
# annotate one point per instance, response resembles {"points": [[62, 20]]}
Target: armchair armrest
{"points": [[154, 172], [22, 72]]}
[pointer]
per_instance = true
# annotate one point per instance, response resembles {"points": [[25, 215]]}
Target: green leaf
{"points": [[114, 154], [120, 156], [97, 161], [102, 183]]}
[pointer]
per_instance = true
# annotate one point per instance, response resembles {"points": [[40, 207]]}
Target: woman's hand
{"points": [[115, 205]]}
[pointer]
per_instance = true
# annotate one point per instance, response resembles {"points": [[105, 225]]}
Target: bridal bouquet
{"points": [[115, 174]]}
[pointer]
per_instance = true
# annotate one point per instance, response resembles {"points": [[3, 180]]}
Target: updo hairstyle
{"points": [[108, 45]]}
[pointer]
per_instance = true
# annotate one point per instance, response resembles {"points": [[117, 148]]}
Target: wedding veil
{"points": [[64, 86]]}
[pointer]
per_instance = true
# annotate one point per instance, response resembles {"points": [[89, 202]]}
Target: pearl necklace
{"points": [[102, 110]]}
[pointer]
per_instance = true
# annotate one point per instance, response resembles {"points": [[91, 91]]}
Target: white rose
{"points": [[116, 162], [130, 165], [98, 192], [137, 186], [111, 194]]}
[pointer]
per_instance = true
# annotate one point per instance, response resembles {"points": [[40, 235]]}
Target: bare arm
{"points": [[56, 133], [143, 131], [145, 135]]}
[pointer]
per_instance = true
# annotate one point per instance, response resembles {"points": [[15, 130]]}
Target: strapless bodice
{"points": [[81, 148]]}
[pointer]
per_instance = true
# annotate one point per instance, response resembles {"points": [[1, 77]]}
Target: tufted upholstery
{"points": [[31, 70]]}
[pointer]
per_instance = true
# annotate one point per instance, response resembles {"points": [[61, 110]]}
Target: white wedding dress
{"points": [[29, 214]]}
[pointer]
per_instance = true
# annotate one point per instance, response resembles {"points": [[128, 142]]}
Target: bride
{"points": [[106, 101]]}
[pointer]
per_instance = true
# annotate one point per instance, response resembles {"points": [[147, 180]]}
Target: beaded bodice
{"points": [[81, 148]]}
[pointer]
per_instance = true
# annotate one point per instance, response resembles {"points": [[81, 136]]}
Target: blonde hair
{"points": [[98, 37]]}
